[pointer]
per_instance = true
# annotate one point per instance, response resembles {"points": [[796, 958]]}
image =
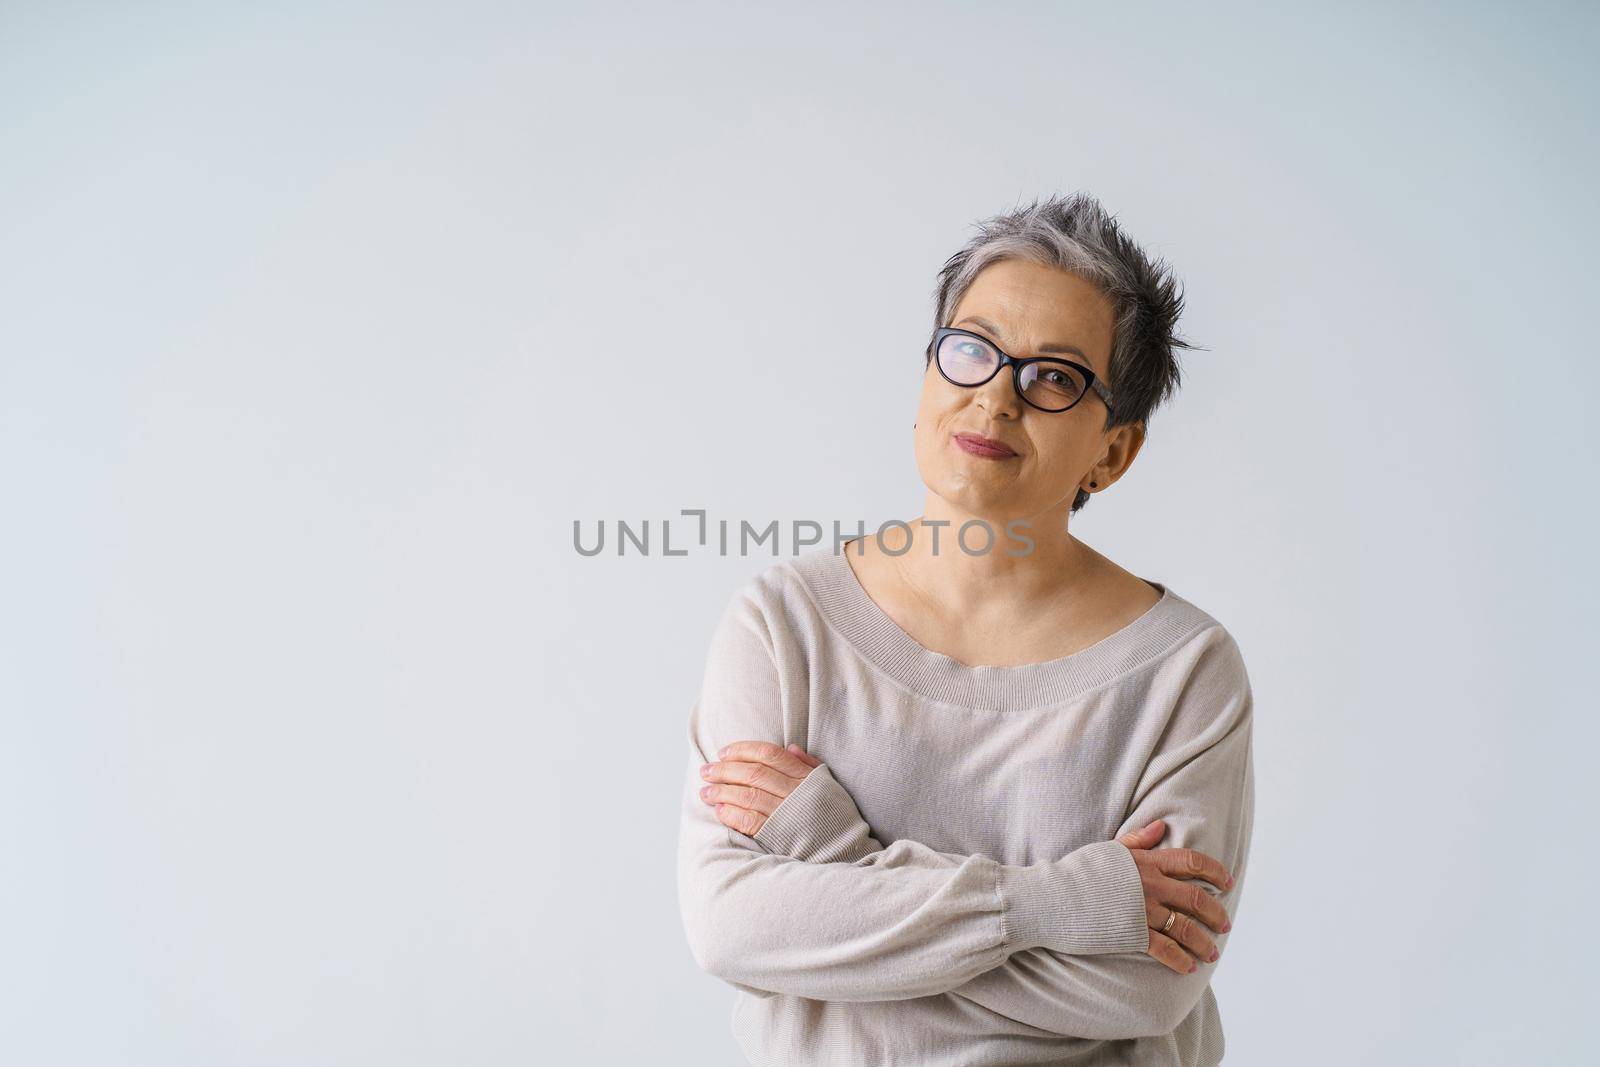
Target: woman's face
{"points": [[1023, 307]]}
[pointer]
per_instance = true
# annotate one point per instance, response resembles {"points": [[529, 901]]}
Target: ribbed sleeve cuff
{"points": [[1087, 903], [818, 822]]}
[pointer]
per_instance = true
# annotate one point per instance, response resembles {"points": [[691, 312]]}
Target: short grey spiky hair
{"points": [[1075, 234]]}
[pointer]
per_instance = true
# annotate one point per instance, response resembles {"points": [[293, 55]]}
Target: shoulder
{"points": [[1202, 681], [763, 650], [770, 591], [1218, 660], [1206, 633], [776, 603]]}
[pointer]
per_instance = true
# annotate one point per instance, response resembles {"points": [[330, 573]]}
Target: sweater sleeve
{"points": [[1201, 781], [887, 927]]}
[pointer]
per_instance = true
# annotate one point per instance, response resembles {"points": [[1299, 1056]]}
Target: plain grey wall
{"points": [[320, 325]]}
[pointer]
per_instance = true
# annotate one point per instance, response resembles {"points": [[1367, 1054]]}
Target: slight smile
{"points": [[977, 445]]}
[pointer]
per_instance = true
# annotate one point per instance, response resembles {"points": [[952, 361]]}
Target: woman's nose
{"points": [[998, 396]]}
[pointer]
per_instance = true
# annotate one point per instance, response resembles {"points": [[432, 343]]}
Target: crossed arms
{"points": [[815, 906]]}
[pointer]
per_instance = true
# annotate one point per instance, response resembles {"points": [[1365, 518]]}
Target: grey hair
{"points": [[1075, 234]]}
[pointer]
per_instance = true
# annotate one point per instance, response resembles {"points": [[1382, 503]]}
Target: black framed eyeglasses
{"points": [[1048, 383]]}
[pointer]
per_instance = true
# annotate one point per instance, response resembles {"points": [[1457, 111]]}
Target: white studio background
{"points": [[320, 325]]}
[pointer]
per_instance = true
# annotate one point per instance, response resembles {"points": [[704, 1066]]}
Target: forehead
{"points": [[1034, 306]]}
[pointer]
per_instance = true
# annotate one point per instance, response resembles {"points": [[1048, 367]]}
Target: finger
{"points": [[758, 775], [774, 756], [1190, 899], [1146, 836], [1170, 953], [1186, 931], [1190, 863], [744, 820], [744, 796], [803, 754]]}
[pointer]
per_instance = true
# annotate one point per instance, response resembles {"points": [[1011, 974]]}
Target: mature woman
{"points": [[930, 774]]}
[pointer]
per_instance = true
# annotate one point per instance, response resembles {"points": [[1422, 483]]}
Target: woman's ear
{"points": [[1124, 445]]}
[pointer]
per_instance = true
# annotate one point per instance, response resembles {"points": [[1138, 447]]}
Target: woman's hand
{"points": [[1167, 894], [750, 780]]}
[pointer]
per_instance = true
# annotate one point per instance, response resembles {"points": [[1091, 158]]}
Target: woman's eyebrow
{"points": [[992, 328]]}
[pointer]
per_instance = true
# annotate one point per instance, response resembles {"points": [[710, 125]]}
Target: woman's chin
{"points": [[993, 504], [971, 488]]}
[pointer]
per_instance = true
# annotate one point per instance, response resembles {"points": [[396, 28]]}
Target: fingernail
{"points": [[705, 770], [1214, 955], [705, 794], [1227, 926], [1194, 966], [1230, 881]]}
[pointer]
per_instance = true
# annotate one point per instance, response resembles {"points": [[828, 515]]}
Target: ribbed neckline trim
{"points": [[846, 607]]}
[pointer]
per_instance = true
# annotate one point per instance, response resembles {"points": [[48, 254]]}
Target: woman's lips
{"points": [[983, 446]]}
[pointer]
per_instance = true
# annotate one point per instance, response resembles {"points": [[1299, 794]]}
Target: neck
{"points": [[1054, 565]]}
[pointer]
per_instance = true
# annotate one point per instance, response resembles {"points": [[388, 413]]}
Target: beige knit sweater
{"points": [[947, 889]]}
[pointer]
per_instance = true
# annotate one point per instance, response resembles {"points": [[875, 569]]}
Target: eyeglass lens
{"points": [[969, 361]]}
